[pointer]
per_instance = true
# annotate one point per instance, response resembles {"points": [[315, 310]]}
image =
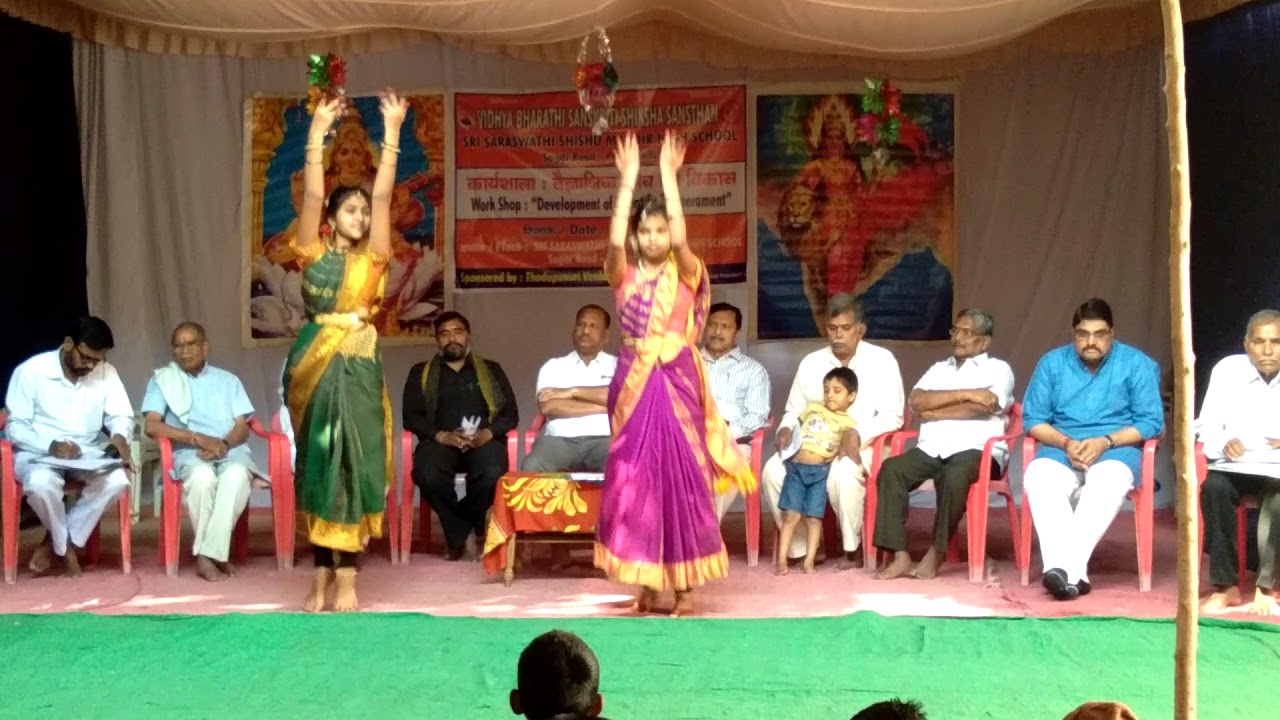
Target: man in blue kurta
{"points": [[204, 411], [1090, 405]]}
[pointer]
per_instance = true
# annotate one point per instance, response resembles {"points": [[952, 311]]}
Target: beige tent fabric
{"points": [[914, 38]]}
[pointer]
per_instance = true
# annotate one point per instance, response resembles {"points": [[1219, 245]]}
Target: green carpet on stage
{"points": [[415, 666]]}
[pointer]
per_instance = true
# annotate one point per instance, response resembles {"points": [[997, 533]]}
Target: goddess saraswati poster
{"points": [[276, 135], [855, 197]]}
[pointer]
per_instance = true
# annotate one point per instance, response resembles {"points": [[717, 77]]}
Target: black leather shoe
{"points": [[1083, 588], [454, 554], [1055, 581]]}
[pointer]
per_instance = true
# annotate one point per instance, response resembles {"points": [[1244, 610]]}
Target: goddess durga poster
{"points": [[855, 200]]}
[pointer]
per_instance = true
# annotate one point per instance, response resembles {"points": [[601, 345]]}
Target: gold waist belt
{"points": [[349, 319]]}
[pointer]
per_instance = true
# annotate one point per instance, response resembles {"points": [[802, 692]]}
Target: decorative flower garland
{"points": [[880, 121], [327, 75], [596, 81]]}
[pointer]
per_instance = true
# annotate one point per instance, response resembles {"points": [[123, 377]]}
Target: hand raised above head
{"points": [[672, 155], [394, 107], [325, 115], [626, 157]]}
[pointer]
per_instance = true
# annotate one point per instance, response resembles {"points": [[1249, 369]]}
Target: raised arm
{"points": [[393, 109], [626, 156], [310, 215], [669, 162]]}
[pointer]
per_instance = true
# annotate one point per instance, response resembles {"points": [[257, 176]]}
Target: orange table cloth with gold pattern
{"points": [[538, 503]]}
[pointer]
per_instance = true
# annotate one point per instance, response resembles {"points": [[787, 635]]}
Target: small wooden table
{"points": [[540, 508]]}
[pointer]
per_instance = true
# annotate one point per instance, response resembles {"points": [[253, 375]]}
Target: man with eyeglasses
{"points": [[204, 411], [1090, 405], [59, 403], [962, 402]]}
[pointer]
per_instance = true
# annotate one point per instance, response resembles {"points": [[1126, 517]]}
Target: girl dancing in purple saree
{"points": [[670, 447]]}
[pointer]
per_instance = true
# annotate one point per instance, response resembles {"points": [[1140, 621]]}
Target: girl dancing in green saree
{"points": [[333, 382]]}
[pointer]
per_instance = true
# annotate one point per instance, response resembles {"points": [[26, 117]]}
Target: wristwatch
{"points": [[1110, 443]]}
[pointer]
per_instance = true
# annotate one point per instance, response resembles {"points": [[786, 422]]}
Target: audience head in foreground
{"points": [[1101, 711], [895, 709], [558, 678]]}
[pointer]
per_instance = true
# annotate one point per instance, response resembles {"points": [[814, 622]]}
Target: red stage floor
{"points": [[431, 585]]}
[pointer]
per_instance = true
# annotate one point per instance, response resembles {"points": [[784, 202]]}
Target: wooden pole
{"points": [[1187, 487]]}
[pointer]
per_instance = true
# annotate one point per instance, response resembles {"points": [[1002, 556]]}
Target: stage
{"points": [[440, 640], [431, 585]]}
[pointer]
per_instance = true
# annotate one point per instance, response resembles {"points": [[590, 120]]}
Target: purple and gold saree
{"points": [[670, 447]]}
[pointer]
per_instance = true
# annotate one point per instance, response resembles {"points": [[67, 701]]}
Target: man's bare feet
{"points": [[850, 561], [927, 568], [207, 569], [901, 565], [227, 568], [561, 558], [684, 604], [344, 599], [320, 583], [71, 562], [41, 559], [644, 601], [809, 569], [1263, 604], [1220, 600]]}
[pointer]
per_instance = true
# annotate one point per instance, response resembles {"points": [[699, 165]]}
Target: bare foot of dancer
{"points": [[1220, 600], [901, 565], [320, 583], [927, 569], [227, 568], [71, 562], [207, 569], [684, 604], [1263, 604], [344, 599], [644, 601]]}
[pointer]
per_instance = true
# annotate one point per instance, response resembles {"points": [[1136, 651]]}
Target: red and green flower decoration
{"points": [[327, 76], [596, 81], [880, 123]]}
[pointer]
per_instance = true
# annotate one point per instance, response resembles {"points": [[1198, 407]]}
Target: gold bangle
{"points": [[315, 146], [390, 148]]}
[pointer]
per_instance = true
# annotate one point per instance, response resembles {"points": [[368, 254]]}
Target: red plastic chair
{"points": [[282, 504], [424, 508], [11, 503], [1242, 516], [1143, 513], [977, 508]]}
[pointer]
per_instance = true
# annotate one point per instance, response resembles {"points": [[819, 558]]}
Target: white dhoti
{"points": [[846, 491], [44, 488], [725, 499], [1067, 536], [215, 496]]}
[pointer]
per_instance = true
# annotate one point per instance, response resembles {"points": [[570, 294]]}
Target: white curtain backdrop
{"points": [[1060, 197]]}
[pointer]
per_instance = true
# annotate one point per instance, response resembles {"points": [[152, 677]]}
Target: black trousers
{"points": [[1219, 497], [903, 473], [434, 469], [333, 559]]}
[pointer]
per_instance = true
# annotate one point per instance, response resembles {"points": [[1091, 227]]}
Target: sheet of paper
{"points": [[586, 477], [95, 464], [1265, 469]]}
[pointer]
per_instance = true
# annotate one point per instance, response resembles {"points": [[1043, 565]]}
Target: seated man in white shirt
{"points": [[739, 384], [204, 411], [962, 402], [876, 410], [59, 404], [572, 392], [1239, 425]]}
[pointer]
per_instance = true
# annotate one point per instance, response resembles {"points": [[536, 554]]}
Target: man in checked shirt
{"points": [[739, 384]]}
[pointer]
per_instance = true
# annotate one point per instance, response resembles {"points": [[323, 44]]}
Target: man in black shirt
{"points": [[439, 396]]}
